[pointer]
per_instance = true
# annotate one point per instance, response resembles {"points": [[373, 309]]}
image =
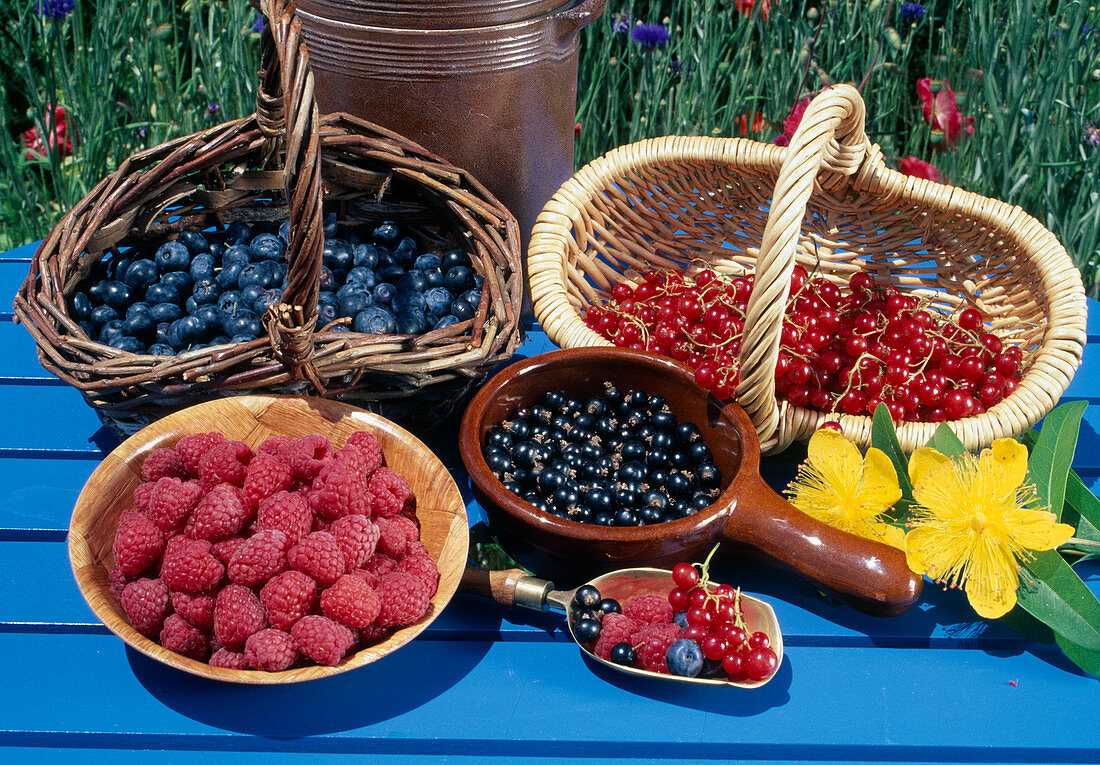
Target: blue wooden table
{"points": [[484, 684]]}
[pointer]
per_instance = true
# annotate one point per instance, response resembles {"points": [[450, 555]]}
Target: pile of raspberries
{"points": [[294, 554]]}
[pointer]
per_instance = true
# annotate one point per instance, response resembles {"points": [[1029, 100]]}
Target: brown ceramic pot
{"points": [[749, 518], [489, 85]]}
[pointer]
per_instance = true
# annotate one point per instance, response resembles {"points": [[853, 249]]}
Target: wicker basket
{"points": [[829, 203], [247, 170]]}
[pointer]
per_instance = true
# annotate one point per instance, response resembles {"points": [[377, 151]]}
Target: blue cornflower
{"points": [[679, 69], [912, 12], [1092, 134], [622, 23], [258, 24], [650, 35], [213, 110], [54, 9]]}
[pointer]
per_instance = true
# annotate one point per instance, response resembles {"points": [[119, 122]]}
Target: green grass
{"points": [[131, 75]]}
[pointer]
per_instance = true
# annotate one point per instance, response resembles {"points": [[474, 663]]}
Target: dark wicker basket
{"points": [[248, 170]]}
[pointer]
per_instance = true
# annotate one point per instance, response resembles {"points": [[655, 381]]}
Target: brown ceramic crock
{"points": [[749, 518], [489, 85]]}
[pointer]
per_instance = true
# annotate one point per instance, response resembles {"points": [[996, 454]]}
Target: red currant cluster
{"points": [[715, 623], [842, 349]]}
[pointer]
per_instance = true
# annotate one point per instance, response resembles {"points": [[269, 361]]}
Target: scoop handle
{"points": [[871, 576], [508, 587]]}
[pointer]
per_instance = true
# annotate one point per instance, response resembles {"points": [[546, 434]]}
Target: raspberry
{"points": [[171, 501], [615, 628], [648, 609], [404, 599], [219, 515], [262, 556], [350, 601], [192, 448], [357, 537], [322, 639], [227, 548], [162, 463], [287, 512], [270, 650], [652, 642], [192, 567], [266, 476], [116, 580], [307, 455], [422, 567], [374, 633], [318, 555], [143, 492], [367, 444], [223, 657], [380, 565], [183, 638], [145, 602], [366, 576], [138, 544], [197, 610], [237, 614], [225, 463], [395, 532], [388, 492], [288, 597], [339, 490], [276, 445]]}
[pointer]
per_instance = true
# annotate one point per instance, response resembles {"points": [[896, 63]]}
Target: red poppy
{"points": [[918, 168], [58, 127], [745, 7], [941, 111], [758, 123], [794, 118], [577, 130]]}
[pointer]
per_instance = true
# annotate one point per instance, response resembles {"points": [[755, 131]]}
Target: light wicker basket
{"points": [[827, 202], [279, 164]]}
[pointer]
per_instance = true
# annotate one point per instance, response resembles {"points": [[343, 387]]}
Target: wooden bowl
{"points": [[748, 517], [440, 509]]}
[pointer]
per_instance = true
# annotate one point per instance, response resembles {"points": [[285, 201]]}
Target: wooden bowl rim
{"points": [[450, 562]]}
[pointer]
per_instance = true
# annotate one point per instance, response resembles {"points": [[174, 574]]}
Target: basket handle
{"points": [[288, 118], [829, 145]]}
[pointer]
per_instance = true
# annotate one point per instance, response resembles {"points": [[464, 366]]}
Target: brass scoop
{"points": [[512, 587]]}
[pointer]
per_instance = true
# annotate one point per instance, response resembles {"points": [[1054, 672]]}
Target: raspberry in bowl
{"points": [[268, 539]]}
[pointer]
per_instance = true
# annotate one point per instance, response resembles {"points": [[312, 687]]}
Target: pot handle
{"points": [[868, 575], [510, 587], [569, 21]]}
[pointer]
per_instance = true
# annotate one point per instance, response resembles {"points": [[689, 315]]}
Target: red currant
{"points": [[760, 663]]}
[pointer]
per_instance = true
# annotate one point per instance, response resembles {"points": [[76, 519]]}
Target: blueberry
{"points": [[259, 273], [405, 300], [284, 231], [413, 281], [242, 338], [190, 305], [374, 320], [210, 317], [184, 332], [229, 301], [586, 596], [172, 256], [118, 295], [337, 255], [387, 233], [478, 280], [462, 310], [181, 280], [238, 253], [141, 273], [216, 250], [456, 279], [139, 320], [266, 300], [202, 267], [352, 303], [623, 654], [384, 292], [165, 311], [250, 294], [680, 619], [447, 321], [327, 282], [452, 258], [161, 349], [162, 332], [409, 322], [404, 254], [111, 331], [129, 344], [326, 313], [238, 232], [117, 268], [435, 277], [329, 226], [95, 291], [365, 255], [81, 305], [279, 268], [221, 340], [206, 292], [587, 630], [427, 262], [193, 241], [437, 301], [328, 298], [267, 247], [684, 658], [362, 275], [391, 273], [244, 323], [472, 296]]}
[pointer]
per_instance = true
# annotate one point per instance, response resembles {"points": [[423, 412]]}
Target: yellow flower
{"points": [[973, 519], [835, 486]]}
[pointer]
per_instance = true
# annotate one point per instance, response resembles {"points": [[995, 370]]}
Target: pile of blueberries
{"points": [[212, 288], [620, 459]]}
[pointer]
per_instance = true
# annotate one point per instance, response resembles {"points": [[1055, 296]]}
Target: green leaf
{"points": [[1082, 510], [946, 442], [885, 437], [1082, 657], [1052, 455], [1056, 596], [1027, 625]]}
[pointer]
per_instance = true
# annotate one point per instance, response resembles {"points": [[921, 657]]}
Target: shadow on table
{"points": [[342, 702]]}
